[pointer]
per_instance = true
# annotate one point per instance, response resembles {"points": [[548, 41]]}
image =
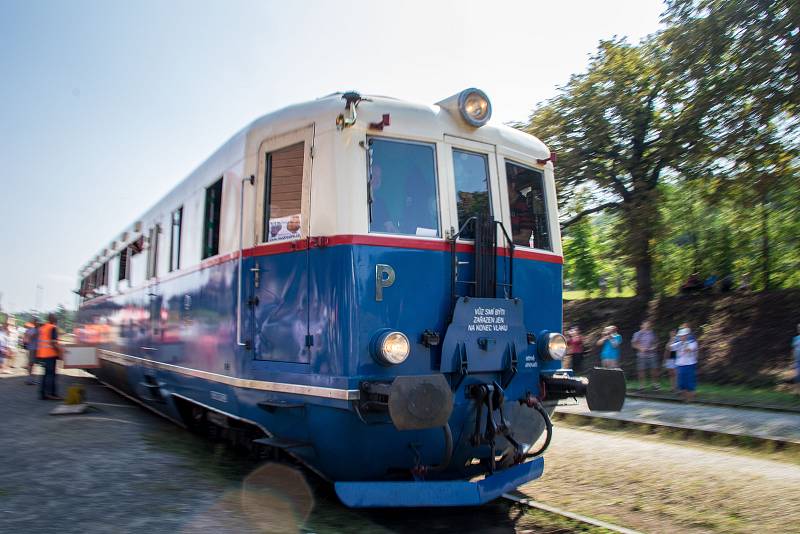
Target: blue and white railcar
{"points": [[371, 285]]}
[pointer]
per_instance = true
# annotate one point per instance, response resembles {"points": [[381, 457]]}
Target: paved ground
{"points": [[729, 420], [652, 486], [123, 469]]}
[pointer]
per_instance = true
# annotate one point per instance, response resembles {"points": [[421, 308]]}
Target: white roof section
{"points": [[408, 120]]}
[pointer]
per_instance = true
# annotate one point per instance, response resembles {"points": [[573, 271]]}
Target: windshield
{"points": [[402, 188], [528, 205], [472, 187]]}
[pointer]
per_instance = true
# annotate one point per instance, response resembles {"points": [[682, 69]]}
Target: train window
{"points": [[175, 244], [122, 272], [472, 187], [152, 251], [211, 220], [283, 194], [402, 188], [528, 204]]}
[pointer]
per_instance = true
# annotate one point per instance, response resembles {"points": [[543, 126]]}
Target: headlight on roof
{"points": [[391, 347], [471, 105], [474, 106]]}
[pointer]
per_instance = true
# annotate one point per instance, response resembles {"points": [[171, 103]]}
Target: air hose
{"points": [[534, 403], [448, 449]]}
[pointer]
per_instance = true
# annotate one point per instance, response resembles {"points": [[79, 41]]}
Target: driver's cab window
{"points": [[471, 173], [528, 206], [402, 188], [284, 192]]}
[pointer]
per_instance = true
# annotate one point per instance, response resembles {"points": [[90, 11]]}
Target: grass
{"points": [[579, 294], [765, 396]]}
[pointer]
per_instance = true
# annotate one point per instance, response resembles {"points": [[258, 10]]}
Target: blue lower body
{"points": [[438, 493]]}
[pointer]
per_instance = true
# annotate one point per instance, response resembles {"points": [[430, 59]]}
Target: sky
{"points": [[106, 105]]}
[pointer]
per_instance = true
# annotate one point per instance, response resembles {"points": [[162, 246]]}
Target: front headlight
{"points": [[474, 106], [392, 348], [556, 346]]}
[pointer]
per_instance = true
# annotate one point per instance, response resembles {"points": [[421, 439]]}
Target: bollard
{"points": [[76, 394]]}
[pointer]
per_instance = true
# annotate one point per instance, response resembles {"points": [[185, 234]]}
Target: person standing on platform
{"points": [[575, 349], [47, 352], [29, 343], [669, 361], [609, 342], [645, 342], [685, 348], [796, 353], [5, 350]]}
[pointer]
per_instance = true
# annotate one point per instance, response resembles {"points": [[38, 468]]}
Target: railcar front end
{"points": [[371, 286]]}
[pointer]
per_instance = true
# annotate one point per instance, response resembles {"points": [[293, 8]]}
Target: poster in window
{"points": [[284, 228]]}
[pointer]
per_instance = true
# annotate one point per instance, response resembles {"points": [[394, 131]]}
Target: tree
{"points": [[578, 250], [746, 54], [616, 129]]}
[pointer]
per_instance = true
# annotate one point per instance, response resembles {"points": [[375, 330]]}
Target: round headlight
{"points": [[393, 348], [474, 106], [556, 346]]}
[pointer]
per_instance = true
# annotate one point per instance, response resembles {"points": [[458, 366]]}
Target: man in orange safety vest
{"points": [[47, 352]]}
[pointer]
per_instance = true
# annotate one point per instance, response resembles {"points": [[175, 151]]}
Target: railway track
{"points": [[522, 499]]}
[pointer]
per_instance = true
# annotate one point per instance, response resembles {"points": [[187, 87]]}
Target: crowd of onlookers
{"points": [[679, 356], [41, 345]]}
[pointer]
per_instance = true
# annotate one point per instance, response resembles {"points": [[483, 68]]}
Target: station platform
{"points": [[735, 421]]}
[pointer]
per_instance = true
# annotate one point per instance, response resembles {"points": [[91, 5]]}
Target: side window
{"points": [[528, 205], [283, 193], [472, 187], [211, 220], [175, 242], [152, 252], [402, 188], [122, 273]]}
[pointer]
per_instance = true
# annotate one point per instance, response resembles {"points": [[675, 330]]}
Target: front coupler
{"points": [[604, 389]]}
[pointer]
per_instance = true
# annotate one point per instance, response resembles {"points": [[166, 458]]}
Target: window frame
{"points": [[152, 251], [273, 143], [211, 250], [489, 189], [436, 186], [123, 265], [267, 193], [175, 258], [546, 194]]}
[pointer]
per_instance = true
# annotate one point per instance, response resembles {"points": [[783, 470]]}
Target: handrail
{"points": [[454, 259], [252, 180]]}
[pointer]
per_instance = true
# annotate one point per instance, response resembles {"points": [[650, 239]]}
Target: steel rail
{"points": [[521, 498]]}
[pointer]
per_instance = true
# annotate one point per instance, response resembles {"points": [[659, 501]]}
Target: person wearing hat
{"points": [[685, 347], [610, 342]]}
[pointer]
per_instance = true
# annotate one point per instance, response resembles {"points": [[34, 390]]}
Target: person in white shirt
{"points": [[686, 348], [5, 350]]}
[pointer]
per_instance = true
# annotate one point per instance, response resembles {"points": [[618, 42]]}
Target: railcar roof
{"points": [[426, 121]]}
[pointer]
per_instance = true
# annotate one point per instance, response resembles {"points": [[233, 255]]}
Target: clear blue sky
{"points": [[105, 105]]}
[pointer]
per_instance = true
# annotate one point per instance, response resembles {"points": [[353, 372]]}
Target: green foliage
{"points": [[690, 142], [584, 270]]}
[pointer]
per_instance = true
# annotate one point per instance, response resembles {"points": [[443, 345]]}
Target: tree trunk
{"points": [[642, 219], [644, 271]]}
